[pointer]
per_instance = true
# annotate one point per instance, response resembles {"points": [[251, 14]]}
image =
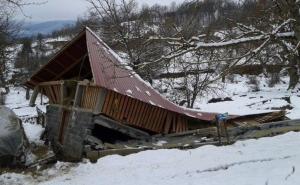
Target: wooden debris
{"points": [[187, 139], [111, 124], [264, 130], [271, 117], [210, 131], [47, 160]]}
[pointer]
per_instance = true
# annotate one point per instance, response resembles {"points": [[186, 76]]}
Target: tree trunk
{"points": [[27, 93]]}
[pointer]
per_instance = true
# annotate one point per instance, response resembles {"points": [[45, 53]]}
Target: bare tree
{"points": [[267, 32], [246, 41], [8, 30], [125, 28]]}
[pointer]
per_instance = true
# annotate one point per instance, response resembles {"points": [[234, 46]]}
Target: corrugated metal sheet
{"points": [[109, 73]]}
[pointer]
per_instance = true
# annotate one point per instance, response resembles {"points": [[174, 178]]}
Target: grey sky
{"points": [[69, 9]]}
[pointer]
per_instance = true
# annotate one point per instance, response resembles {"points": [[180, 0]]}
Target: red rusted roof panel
{"points": [[110, 73]]}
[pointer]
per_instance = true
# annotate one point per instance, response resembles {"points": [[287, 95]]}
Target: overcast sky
{"points": [[69, 9]]}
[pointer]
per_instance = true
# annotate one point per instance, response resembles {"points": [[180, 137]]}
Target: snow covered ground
{"points": [[272, 161], [16, 101], [246, 101]]}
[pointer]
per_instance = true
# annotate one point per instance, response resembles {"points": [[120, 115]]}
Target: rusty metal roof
{"points": [[108, 71]]}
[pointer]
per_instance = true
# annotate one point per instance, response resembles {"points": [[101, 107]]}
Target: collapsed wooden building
{"points": [[92, 93]]}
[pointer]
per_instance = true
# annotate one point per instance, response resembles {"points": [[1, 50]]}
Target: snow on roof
{"points": [[129, 91], [148, 93]]}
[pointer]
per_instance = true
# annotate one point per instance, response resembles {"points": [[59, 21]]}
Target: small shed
{"points": [[88, 84]]}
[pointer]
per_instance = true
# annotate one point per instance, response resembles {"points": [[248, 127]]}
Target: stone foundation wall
{"points": [[79, 125]]}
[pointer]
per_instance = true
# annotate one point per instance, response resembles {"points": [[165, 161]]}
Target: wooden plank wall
{"points": [[90, 97], [125, 109], [53, 92]]}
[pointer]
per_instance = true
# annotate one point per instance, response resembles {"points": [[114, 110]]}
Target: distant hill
{"points": [[32, 29]]}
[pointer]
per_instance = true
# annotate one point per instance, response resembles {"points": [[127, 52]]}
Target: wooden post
{"points": [[41, 99], [218, 131], [226, 132], [100, 101], [78, 95], [63, 92], [34, 96]]}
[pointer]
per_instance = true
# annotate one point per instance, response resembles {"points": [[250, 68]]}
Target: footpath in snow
{"points": [[272, 161]]}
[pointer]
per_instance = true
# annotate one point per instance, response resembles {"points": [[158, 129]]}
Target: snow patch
{"points": [[151, 102], [138, 89], [129, 91], [115, 89]]}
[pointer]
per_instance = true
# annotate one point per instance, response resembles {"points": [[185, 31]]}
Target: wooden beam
{"points": [[50, 83], [69, 68], [34, 96], [111, 124], [39, 78], [72, 57], [60, 64], [78, 95], [63, 93], [50, 71]]}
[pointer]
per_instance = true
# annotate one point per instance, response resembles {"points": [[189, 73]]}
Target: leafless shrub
{"points": [[254, 83], [230, 78], [274, 79]]}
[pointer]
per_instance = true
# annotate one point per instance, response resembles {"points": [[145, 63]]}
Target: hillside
{"points": [[45, 28]]}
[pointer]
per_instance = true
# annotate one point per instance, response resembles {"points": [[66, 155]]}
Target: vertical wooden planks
{"points": [[137, 113], [110, 104], [133, 113], [116, 105], [156, 119], [105, 106], [162, 121], [150, 124], [121, 107], [128, 109], [141, 114], [146, 115], [124, 108]]}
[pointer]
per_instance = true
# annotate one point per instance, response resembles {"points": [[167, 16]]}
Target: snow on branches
{"points": [[247, 35]]}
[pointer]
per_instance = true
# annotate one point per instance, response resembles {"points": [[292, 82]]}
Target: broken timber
{"points": [[130, 131], [265, 130], [182, 140]]}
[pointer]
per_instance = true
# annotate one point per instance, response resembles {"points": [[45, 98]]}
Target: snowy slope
{"points": [[16, 101], [246, 100], [273, 161]]}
